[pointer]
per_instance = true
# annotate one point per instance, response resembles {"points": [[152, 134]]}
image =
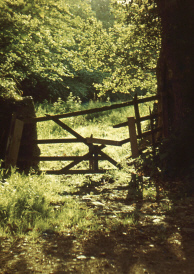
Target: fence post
{"points": [[137, 115], [133, 137], [91, 159], [95, 158], [152, 132]]}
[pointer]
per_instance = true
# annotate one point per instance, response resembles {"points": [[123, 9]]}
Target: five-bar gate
{"points": [[95, 145]]}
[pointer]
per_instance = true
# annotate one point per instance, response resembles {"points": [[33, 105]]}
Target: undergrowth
{"points": [[36, 204]]}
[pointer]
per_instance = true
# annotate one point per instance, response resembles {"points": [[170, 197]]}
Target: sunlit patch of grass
{"points": [[129, 220], [33, 204], [149, 191], [75, 217], [118, 222], [23, 201]]}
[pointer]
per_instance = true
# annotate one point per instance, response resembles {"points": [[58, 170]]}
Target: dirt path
{"points": [[161, 239]]}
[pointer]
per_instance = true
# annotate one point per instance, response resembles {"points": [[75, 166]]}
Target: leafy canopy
{"points": [[133, 48], [38, 42], [50, 48]]}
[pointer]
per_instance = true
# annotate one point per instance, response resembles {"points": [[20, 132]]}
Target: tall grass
{"points": [[35, 204]]}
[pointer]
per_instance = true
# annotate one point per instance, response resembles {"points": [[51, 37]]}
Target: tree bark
{"points": [[175, 65], [176, 88]]}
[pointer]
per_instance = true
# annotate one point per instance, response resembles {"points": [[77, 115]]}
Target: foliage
{"points": [[51, 48], [38, 45], [134, 44], [103, 12], [73, 103]]}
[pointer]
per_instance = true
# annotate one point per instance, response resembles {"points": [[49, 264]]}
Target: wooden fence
{"points": [[95, 145], [138, 134]]}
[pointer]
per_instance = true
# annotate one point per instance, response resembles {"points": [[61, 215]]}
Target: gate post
{"points": [[137, 115], [152, 132], [13, 143], [93, 160], [133, 137]]}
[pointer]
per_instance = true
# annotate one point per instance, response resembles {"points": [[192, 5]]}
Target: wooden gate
{"points": [[94, 154], [96, 145]]}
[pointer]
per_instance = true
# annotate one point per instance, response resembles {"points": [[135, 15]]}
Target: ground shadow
{"points": [[12, 256], [160, 241]]}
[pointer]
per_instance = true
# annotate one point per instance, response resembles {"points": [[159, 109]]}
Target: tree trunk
{"points": [[175, 65], [176, 86]]}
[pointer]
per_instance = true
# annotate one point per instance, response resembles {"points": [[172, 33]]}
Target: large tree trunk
{"points": [[176, 83], [175, 66]]}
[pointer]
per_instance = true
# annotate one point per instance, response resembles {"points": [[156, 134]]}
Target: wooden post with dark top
{"points": [[153, 135], [133, 137], [137, 115], [95, 157]]}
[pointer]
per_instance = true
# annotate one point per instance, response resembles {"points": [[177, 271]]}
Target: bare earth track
{"points": [[161, 240]]}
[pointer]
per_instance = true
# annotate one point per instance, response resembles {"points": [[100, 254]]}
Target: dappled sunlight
{"points": [[99, 94], [104, 221], [175, 245]]}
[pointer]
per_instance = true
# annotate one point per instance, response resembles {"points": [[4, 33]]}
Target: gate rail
{"points": [[95, 145]]}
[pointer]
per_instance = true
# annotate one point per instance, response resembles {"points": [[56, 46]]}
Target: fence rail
{"points": [[90, 111], [141, 119], [95, 145]]}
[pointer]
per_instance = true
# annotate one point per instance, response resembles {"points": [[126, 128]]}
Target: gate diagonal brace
{"points": [[85, 157], [108, 158], [70, 130], [97, 150], [94, 151]]}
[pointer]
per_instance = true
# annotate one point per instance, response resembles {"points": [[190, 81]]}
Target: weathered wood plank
{"points": [[57, 158], [141, 119], [56, 141], [108, 158], [14, 143], [137, 115], [70, 130], [77, 161], [123, 124], [91, 140], [94, 157], [125, 141], [133, 137], [9, 139], [90, 111], [153, 135], [76, 171]]}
